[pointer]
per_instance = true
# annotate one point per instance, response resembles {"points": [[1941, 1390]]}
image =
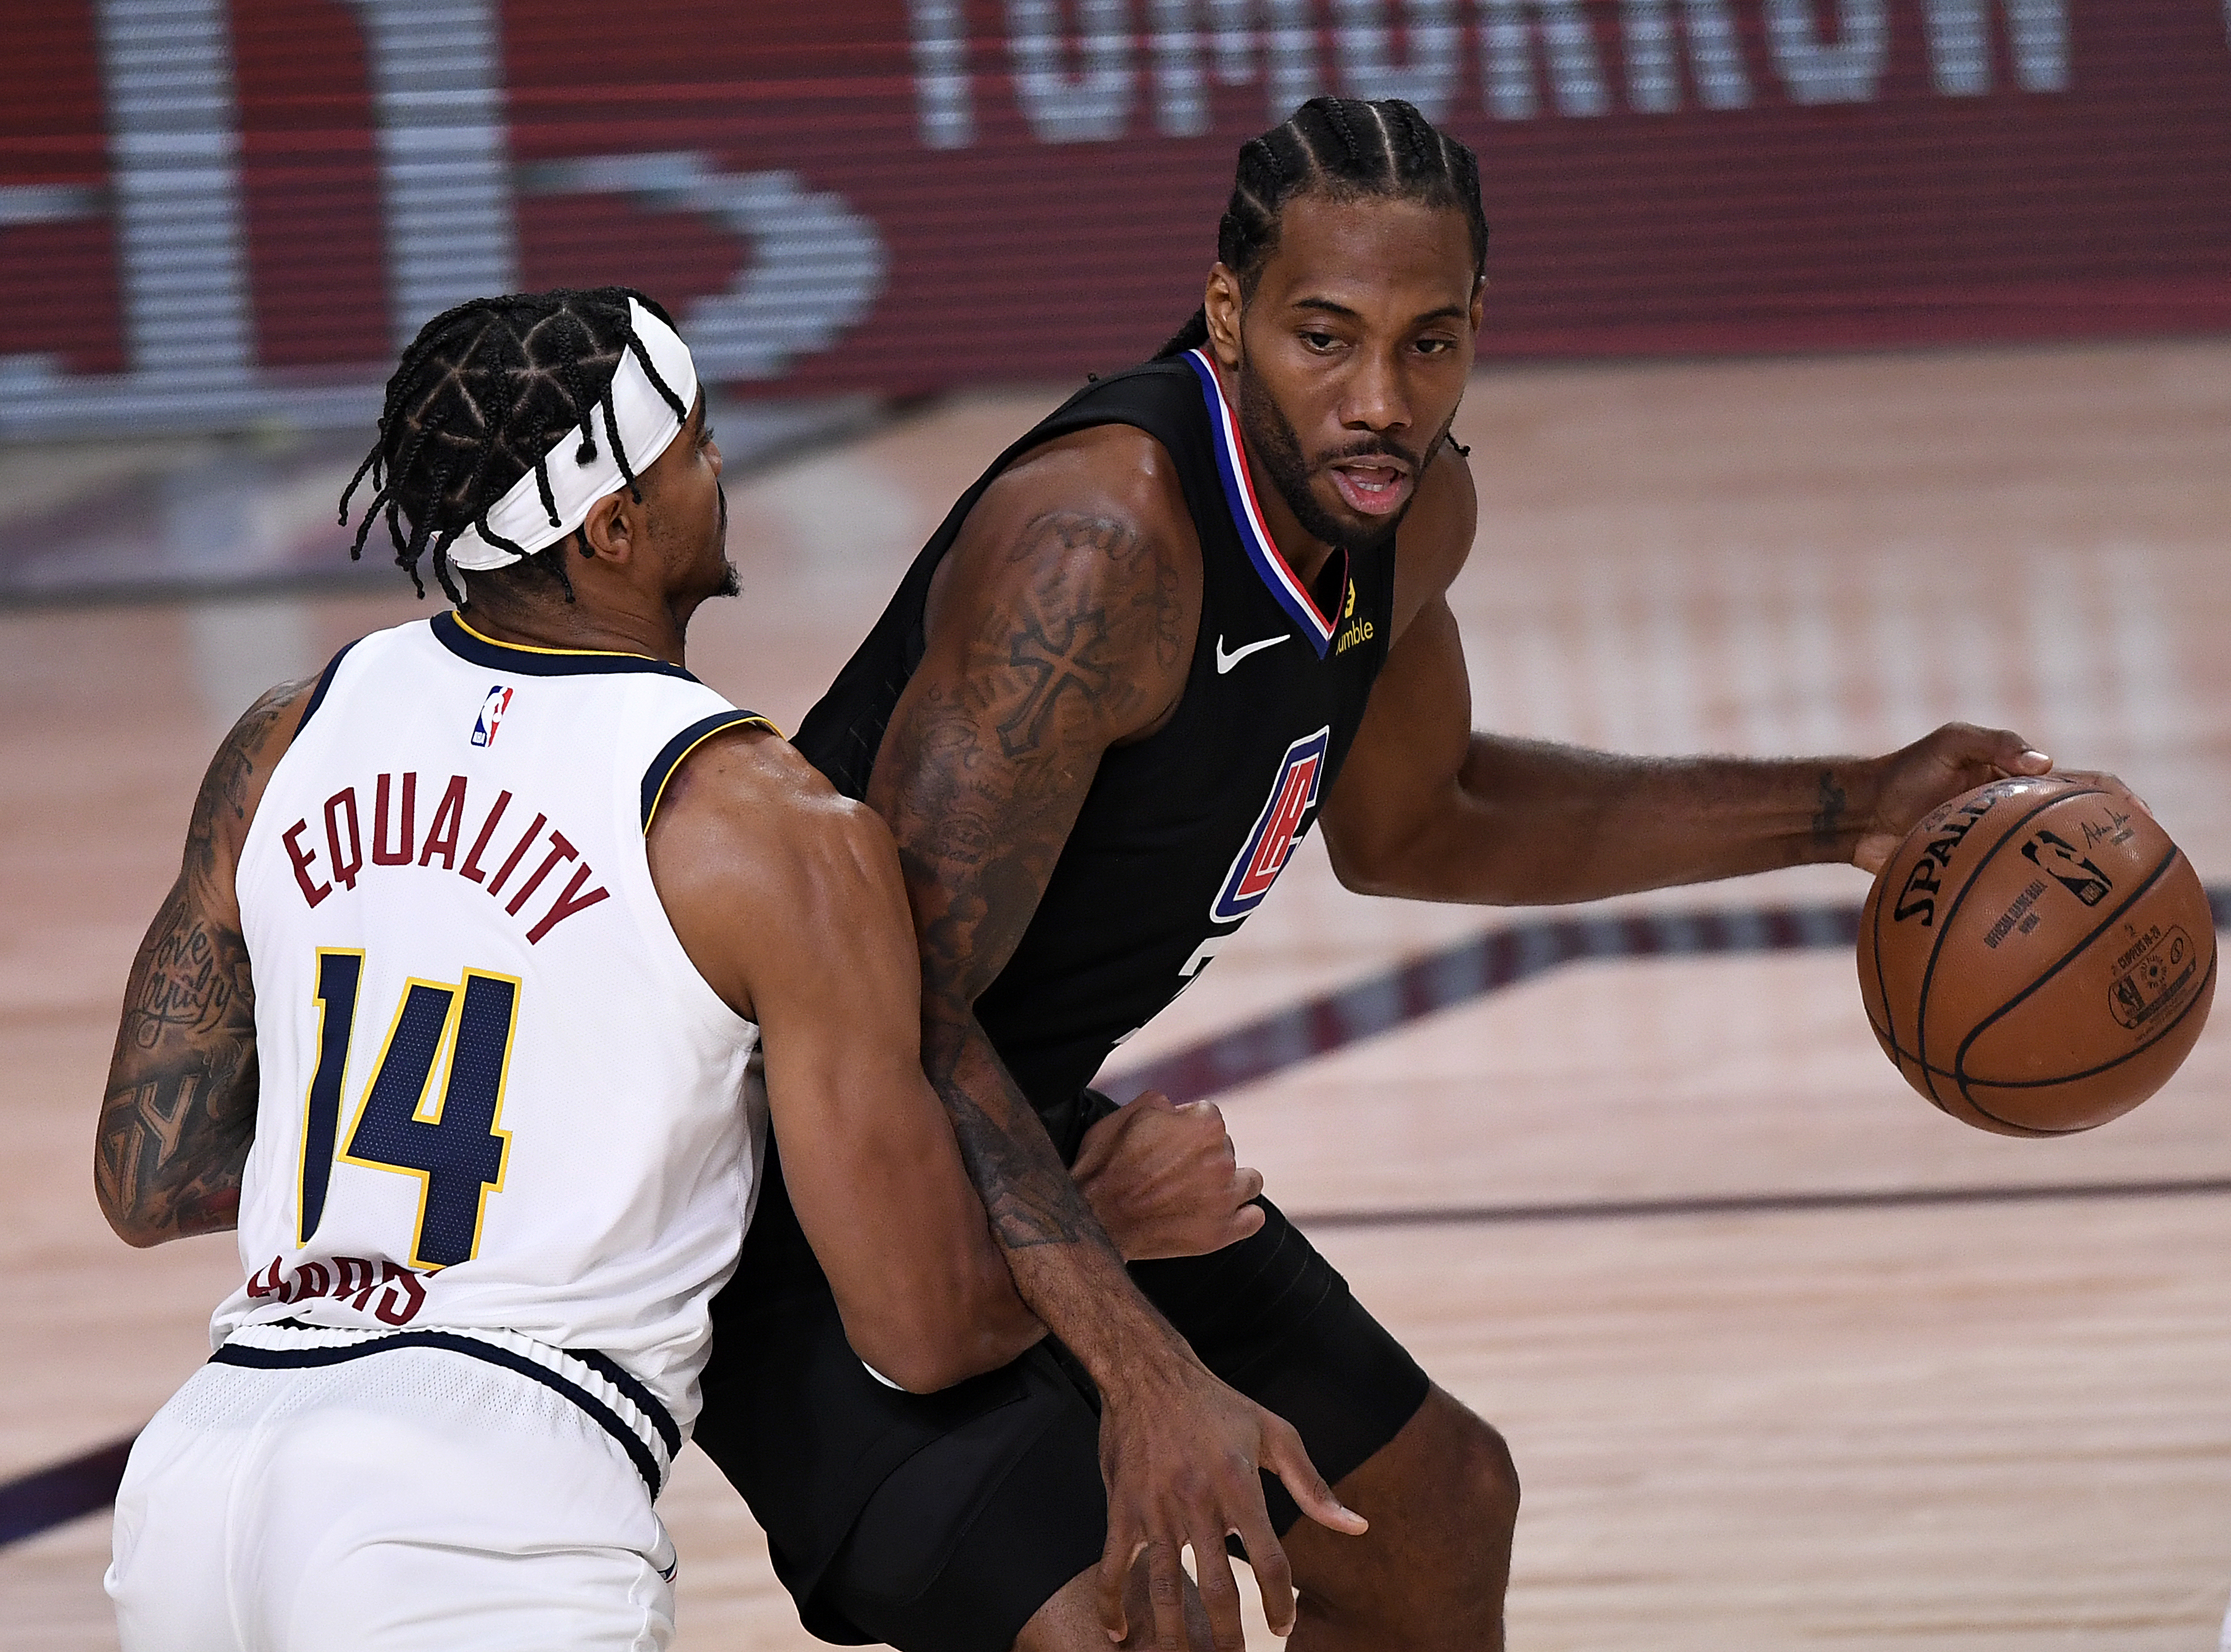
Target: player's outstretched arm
{"points": [[787, 897], [1062, 624], [179, 1113], [1429, 809]]}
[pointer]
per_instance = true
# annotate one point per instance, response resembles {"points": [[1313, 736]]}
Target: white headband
{"points": [[647, 425]]}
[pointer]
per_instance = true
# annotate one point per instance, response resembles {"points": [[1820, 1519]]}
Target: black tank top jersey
{"points": [[1183, 833]]}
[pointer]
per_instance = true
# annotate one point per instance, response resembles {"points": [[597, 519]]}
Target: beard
{"points": [[1274, 443], [732, 582]]}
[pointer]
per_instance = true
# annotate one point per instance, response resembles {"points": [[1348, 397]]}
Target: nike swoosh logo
{"points": [[1225, 662]]}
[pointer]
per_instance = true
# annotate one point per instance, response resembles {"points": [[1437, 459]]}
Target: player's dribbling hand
{"points": [[1179, 1452], [1165, 1181], [1914, 779]]}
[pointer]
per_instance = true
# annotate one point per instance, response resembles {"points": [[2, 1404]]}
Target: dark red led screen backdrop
{"points": [[223, 210]]}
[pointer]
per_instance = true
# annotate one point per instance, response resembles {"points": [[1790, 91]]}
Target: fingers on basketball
{"points": [[2003, 751]]}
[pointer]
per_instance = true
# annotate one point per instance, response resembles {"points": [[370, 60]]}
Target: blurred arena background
{"points": [[1850, 365]]}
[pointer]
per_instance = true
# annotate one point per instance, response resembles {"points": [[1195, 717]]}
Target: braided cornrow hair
{"points": [[1340, 146], [480, 398]]}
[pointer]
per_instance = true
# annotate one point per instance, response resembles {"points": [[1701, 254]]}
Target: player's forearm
{"points": [[1532, 824], [1065, 1268], [165, 1167], [178, 1113], [993, 1327]]}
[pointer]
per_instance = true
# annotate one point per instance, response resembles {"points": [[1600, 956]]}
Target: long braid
{"points": [[582, 398], [1322, 148], [473, 490], [619, 453], [672, 396], [421, 532], [476, 402]]}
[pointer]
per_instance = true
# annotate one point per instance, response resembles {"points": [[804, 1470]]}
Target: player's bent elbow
{"points": [[132, 1227], [920, 1363], [1358, 880], [947, 1335], [1370, 868], [970, 1351]]}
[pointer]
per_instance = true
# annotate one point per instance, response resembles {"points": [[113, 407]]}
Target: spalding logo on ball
{"points": [[2038, 957]]}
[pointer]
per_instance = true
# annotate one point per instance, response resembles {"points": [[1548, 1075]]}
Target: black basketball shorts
{"points": [[941, 1522]]}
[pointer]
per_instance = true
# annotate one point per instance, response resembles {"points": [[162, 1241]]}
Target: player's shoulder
{"points": [[754, 855], [233, 784], [750, 773], [1437, 534], [1110, 482], [746, 808]]}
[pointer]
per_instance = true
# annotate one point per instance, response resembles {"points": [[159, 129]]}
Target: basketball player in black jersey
{"points": [[1197, 607]]}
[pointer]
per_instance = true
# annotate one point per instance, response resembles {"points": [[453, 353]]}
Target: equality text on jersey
{"points": [[336, 856]]}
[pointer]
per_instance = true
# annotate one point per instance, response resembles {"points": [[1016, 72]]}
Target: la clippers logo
{"points": [[492, 710], [1278, 829]]}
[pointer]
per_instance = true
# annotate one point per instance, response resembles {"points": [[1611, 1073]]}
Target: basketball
{"points": [[2038, 956]]}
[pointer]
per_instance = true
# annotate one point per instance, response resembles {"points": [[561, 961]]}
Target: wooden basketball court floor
{"points": [[1755, 1406]]}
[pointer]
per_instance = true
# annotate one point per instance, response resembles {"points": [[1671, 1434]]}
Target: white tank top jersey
{"points": [[500, 1108]]}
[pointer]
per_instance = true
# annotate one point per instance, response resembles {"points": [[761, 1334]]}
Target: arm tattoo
{"points": [[1027, 1191], [1077, 660], [221, 806], [1828, 822], [179, 1113], [981, 778]]}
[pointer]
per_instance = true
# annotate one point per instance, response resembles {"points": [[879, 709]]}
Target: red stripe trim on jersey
{"points": [[1247, 511]]}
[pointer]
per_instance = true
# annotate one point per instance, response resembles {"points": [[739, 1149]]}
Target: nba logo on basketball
{"points": [[1278, 831], [492, 710], [2056, 857]]}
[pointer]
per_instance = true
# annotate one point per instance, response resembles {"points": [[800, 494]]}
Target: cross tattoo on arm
{"points": [[1074, 660]]}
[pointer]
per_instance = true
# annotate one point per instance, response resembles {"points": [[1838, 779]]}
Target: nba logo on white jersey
{"points": [[1278, 829], [492, 710]]}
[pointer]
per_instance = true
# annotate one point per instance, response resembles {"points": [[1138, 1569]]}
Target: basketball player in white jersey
{"points": [[450, 1012]]}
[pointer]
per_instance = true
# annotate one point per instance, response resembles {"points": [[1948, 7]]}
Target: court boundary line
{"points": [[1382, 1002], [1791, 1203], [1394, 998]]}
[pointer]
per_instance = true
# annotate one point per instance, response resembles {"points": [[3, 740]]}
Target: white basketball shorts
{"points": [[411, 1498]]}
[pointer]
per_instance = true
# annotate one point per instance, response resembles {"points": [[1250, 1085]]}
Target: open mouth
{"points": [[1371, 486]]}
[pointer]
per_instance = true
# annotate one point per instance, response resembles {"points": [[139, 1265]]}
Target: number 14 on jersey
{"points": [[450, 1140]]}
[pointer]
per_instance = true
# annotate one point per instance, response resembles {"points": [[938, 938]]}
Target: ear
{"points": [[613, 529], [1478, 303], [1222, 304]]}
